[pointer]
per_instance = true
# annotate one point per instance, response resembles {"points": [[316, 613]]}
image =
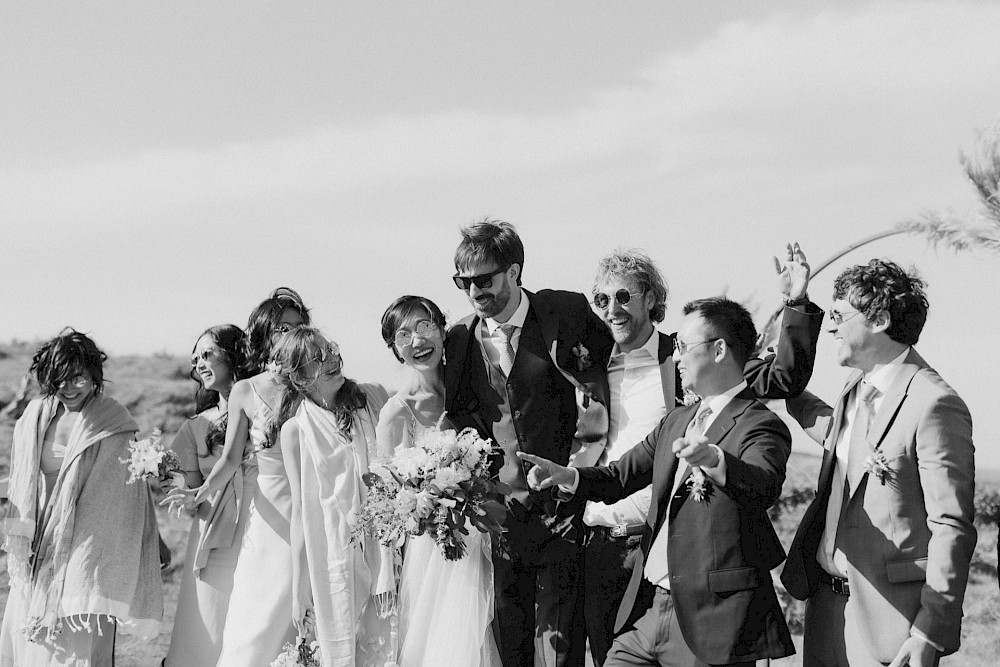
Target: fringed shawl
{"points": [[97, 552]]}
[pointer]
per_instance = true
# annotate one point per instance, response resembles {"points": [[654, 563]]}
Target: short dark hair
{"points": [[729, 321], [402, 309], [636, 265], [490, 241], [65, 356], [262, 321], [884, 286]]}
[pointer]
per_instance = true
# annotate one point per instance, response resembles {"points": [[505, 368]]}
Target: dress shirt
{"points": [[636, 408], [830, 558], [657, 557], [492, 336]]}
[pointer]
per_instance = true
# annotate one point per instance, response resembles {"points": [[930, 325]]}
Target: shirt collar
{"points": [[717, 403], [517, 319], [882, 378], [650, 347]]}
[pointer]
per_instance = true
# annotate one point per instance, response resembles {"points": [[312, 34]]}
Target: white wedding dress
{"points": [[445, 607]]}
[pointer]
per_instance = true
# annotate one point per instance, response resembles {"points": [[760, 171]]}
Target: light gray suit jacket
{"points": [[908, 539]]}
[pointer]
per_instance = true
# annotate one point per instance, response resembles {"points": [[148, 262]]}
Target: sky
{"points": [[163, 168]]}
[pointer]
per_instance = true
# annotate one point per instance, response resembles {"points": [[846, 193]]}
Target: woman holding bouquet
{"points": [[259, 621], [327, 425], [81, 541], [435, 595], [216, 535]]}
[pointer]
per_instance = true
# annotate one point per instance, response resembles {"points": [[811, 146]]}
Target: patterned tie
{"points": [[860, 450], [506, 348]]}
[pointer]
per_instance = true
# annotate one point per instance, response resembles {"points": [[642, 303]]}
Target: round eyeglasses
{"points": [[423, 328]]}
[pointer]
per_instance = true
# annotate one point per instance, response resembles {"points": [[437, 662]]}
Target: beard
{"points": [[491, 305]]}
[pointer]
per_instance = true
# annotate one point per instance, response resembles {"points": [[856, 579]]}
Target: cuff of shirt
{"points": [[916, 633], [717, 473], [570, 489]]}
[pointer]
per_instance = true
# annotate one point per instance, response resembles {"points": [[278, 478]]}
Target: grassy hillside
{"points": [[158, 392]]}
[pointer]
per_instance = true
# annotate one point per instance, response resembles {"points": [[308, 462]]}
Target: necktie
{"points": [[860, 450], [506, 348]]}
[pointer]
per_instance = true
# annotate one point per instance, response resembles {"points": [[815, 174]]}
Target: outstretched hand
{"points": [[793, 273], [545, 474], [696, 450], [915, 652], [180, 499]]}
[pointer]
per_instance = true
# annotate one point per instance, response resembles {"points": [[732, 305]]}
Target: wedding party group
{"points": [[555, 477]]}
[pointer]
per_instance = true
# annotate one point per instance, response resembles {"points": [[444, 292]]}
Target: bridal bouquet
{"points": [[435, 486], [147, 458], [303, 655]]}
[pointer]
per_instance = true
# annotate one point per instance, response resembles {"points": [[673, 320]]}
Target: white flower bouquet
{"points": [[436, 486], [148, 458], [300, 654]]}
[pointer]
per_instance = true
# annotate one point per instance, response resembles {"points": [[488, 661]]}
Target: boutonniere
{"points": [[877, 465], [699, 487], [582, 355]]}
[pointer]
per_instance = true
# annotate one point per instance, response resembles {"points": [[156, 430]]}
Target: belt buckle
{"points": [[621, 530], [840, 586]]}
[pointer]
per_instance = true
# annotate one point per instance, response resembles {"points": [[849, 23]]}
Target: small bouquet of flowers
{"points": [[148, 458], [301, 653], [435, 486]]}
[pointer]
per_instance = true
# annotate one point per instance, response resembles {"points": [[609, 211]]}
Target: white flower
{"points": [[449, 478], [424, 504], [410, 462]]}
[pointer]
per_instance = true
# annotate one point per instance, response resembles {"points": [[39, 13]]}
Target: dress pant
{"points": [[656, 639], [536, 574], [607, 568]]}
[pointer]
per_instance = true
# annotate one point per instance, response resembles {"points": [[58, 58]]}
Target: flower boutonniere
{"points": [[582, 356], [699, 487], [877, 465]]}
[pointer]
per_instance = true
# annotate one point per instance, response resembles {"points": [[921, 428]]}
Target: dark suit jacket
{"points": [[721, 551], [908, 541]]}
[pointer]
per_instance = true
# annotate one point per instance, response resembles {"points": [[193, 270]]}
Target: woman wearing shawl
{"points": [[81, 541], [216, 534], [326, 447], [259, 621], [435, 595]]}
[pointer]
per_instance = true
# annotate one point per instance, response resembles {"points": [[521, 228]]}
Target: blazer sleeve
{"points": [[755, 476], [787, 372], [630, 473], [946, 465], [812, 414]]}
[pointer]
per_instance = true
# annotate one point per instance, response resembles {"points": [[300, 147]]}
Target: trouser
{"points": [[607, 567]]}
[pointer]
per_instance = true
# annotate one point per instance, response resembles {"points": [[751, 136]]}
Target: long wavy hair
{"points": [[263, 320], [229, 339], [65, 356], [291, 356]]}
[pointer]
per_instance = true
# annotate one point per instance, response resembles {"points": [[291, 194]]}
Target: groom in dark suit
{"points": [[516, 370], [702, 592]]}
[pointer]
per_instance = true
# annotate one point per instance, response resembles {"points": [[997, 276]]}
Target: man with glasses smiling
{"points": [[882, 554], [630, 294]]}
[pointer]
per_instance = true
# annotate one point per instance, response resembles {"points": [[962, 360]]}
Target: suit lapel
{"points": [[894, 398], [830, 444]]}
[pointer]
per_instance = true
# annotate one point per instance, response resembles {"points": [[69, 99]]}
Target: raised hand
{"points": [[545, 473], [793, 273]]}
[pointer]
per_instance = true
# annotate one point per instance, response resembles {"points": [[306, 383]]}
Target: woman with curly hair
{"points": [[81, 541], [259, 621], [327, 425], [216, 535]]}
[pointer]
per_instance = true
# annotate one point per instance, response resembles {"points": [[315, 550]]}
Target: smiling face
{"points": [[697, 363], [323, 373], [426, 342], [210, 365], [628, 323], [854, 336], [495, 301], [75, 391]]}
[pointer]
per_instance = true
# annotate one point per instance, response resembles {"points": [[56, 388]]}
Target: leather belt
{"points": [[838, 585]]}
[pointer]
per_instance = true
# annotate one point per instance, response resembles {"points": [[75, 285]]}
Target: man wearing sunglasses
{"points": [[514, 371], [882, 554], [630, 294]]}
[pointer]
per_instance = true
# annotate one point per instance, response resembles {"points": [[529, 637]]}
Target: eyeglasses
{"points": [[622, 296], [838, 317], [423, 328], [77, 382], [482, 281], [684, 348], [204, 355], [283, 328]]}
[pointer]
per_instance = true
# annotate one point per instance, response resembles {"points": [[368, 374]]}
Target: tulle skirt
{"points": [[446, 607]]}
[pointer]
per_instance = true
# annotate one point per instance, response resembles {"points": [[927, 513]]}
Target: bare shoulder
{"points": [[394, 409]]}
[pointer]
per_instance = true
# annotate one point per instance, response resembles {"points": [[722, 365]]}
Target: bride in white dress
{"points": [[445, 607]]}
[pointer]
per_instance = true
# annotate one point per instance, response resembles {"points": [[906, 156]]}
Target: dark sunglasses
{"points": [[622, 296], [482, 281], [204, 355]]}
